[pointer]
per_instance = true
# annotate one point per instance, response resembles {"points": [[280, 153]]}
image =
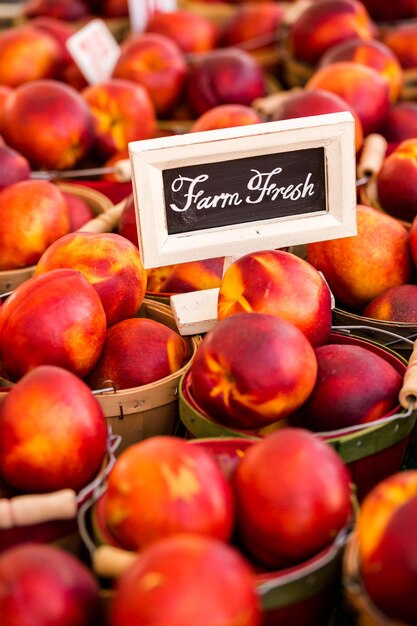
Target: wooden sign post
{"points": [[237, 190]]}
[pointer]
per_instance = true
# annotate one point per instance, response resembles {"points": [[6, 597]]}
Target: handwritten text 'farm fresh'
{"points": [[261, 186]]}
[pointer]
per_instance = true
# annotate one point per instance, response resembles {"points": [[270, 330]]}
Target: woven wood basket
{"points": [[152, 409], [371, 451], [303, 595]]}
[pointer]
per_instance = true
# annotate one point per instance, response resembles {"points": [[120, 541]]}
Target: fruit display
{"points": [[221, 478]]}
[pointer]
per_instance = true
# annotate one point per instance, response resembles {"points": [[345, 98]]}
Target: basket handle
{"points": [[106, 221], [111, 562], [31, 509], [408, 392], [372, 156]]}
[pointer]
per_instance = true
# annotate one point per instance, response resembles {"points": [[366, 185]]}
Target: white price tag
{"points": [[140, 11], [95, 51]]}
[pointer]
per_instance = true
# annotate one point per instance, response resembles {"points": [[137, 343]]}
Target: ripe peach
{"points": [[281, 284], [305, 102], [253, 369], [359, 268], [122, 111], [371, 53], [189, 588], [138, 351], [127, 226], [363, 88], [27, 54], [401, 39], [109, 262], [114, 8], [226, 116], [68, 10], [383, 11], [185, 277], [163, 486], [253, 25], [13, 167], [341, 369], [399, 200], [192, 32], [157, 63], [38, 451], [413, 241], [224, 76], [396, 304], [33, 215], [60, 30], [401, 122], [303, 485], [322, 24], [54, 319], [387, 545], [58, 124], [45, 584], [73, 76], [5, 91], [79, 211]]}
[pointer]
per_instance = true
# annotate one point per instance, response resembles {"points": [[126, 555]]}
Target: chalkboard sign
{"points": [[237, 190], [261, 188]]}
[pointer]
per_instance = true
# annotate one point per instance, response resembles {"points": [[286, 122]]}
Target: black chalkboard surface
{"points": [[244, 190]]}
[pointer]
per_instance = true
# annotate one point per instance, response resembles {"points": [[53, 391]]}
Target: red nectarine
{"points": [[278, 283], [138, 351], [109, 262], [293, 497], [184, 581], [253, 369], [162, 486], [53, 432], [53, 319]]}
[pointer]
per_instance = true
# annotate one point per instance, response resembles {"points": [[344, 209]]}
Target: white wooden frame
{"points": [[334, 132]]}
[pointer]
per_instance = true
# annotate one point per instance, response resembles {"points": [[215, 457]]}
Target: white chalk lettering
{"points": [[205, 202], [189, 195], [222, 199], [261, 182]]}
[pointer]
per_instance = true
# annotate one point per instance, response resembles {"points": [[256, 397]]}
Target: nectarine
{"points": [[156, 62], [58, 124], [293, 497], [53, 319], [399, 200], [53, 432], [278, 283], [44, 584], [361, 267], [322, 24], [109, 262], [123, 112], [34, 214], [138, 351], [387, 545], [353, 386], [162, 486], [362, 87], [187, 580], [253, 369]]}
